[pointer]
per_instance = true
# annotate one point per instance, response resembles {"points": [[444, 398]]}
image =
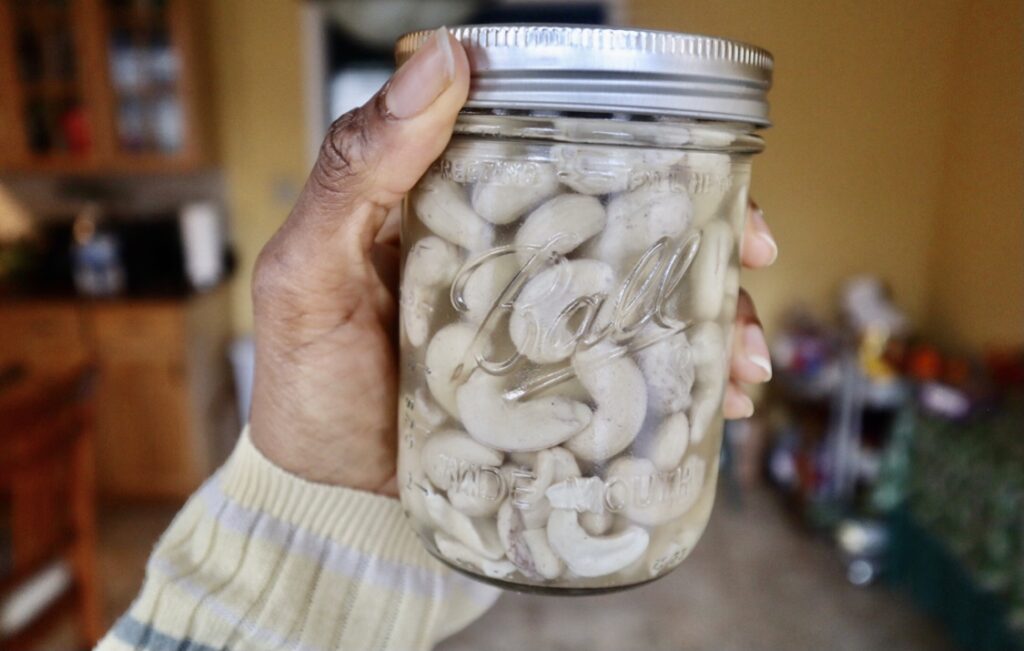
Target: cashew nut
{"points": [[559, 226], [710, 270], [441, 205], [596, 170], [543, 315], [593, 556], [448, 350], [523, 458], [479, 535], [709, 356], [447, 453], [668, 444], [420, 414], [527, 548], [711, 137], [707, 345], [630, 132], [477, 499], [582, 494], [465, 469], [672, 543], [651, 498], [597, 524], [516, 426], [620, 393], [569, 388], [429, 269], [707, 403], [669, 371], [518, 480], [502, 202], [636, 220], [536, 516], [411, 476], [426, 409], [589, 169], [551, 466], [460, 554], [710, 175], [732, 293], [485, 284], [546, 562]]}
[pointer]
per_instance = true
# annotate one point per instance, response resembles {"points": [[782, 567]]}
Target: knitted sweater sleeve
{"points": [[261, 559]]}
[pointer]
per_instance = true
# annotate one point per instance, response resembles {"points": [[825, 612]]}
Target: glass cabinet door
{"points": [[145, 72], [45, 84]]}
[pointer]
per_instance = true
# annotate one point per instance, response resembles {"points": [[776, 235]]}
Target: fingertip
{"points": [[736, 404], [759, 247], [751, 361], [459, 62]]}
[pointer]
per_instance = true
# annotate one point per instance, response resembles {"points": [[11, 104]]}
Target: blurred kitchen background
{"points": [[148, 149]]}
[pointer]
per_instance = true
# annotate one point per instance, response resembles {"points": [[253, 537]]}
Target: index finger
{"points": [[758, 248]]}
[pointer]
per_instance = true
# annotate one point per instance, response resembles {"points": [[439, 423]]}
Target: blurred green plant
{"points": [[966, 486]]}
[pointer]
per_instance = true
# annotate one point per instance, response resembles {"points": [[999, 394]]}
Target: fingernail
{"points": [[748, 406], [743, 405], [422, 78], [736, 403], [756, 349], [763, 232]]}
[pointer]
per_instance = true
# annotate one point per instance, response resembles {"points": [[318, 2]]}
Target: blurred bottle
{"points": [[75, 127], [96, 256], [203, 234], [167, 124]]}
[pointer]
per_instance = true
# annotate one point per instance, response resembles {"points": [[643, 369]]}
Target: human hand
{"points": [[324, 402], [325, 386]]}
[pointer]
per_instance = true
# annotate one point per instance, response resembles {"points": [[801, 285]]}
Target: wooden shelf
{"points": [[137, 20], [42, 13], [51, 87]]}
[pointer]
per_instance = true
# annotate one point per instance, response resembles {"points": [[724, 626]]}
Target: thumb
{"points": [[373, 155]]}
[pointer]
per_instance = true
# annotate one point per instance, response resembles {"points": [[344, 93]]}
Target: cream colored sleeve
{"points": [[261, 559]]}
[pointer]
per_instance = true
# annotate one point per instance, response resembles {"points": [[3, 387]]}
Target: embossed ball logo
{"points": [[562, 306]]}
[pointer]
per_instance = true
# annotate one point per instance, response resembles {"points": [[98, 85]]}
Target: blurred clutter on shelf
{"points": [[889, 444]]}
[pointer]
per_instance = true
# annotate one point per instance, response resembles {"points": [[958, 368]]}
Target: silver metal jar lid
{"points": [[604, 69]]}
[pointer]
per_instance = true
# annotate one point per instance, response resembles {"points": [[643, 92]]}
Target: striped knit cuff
{"points": [[362, 521]]}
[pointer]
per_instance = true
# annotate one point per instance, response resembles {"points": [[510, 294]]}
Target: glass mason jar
{"points": [[569, 285]]}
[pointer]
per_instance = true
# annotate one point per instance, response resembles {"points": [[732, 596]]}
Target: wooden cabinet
{"points": [[165, 408], [100, 86], [51, 335], [146, 447]]}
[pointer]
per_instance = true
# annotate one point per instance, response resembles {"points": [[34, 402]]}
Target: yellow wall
{"points": [[977, 273], [854, 178], [850, 178], [260, 123]]}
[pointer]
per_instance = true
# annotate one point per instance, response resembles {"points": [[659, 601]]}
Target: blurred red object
{"points": [[75, 125], [956, 371], [1006, 366], [925, 363]]}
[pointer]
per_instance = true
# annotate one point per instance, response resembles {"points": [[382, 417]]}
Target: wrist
{"points": [[323, 458]]}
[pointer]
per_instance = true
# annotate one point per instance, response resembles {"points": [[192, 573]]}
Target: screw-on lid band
{"points": [[604, 69]]}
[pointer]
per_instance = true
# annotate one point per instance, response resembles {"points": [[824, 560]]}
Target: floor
{"points": [[753, 584], [127, 534]]}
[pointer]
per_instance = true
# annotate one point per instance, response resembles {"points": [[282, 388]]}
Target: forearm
{"points": [[261, 559]]}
